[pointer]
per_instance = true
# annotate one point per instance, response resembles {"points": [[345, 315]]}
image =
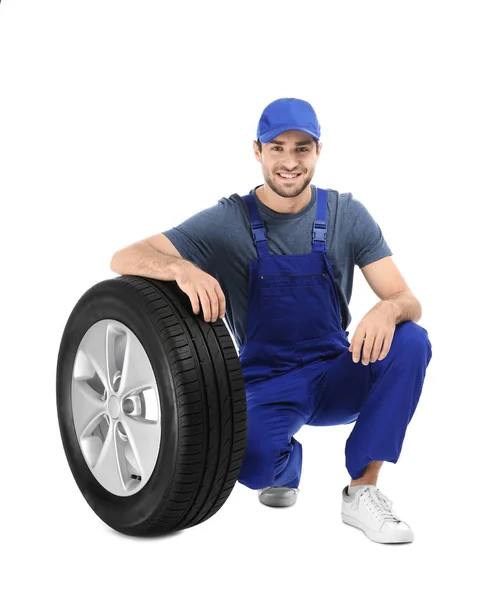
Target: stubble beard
{"points": [[286, 192]]}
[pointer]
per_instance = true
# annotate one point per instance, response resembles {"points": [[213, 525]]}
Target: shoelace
{"points": [[380, 502]]}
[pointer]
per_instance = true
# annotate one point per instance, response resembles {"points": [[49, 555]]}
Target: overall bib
{"points": [[298, 370]]}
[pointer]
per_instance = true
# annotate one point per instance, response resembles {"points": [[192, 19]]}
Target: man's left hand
{"points": [[376, 329]]}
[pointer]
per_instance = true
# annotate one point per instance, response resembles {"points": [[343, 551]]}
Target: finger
{"points": [[213, 299], [356, 344], [194, 301], [205, 302], [377, 348], [386, 346], [222, 301], [367, 348]]}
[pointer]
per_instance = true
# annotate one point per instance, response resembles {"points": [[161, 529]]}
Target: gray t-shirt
{"points": [[218, 240]]}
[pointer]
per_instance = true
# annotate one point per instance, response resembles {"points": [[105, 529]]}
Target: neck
{"points": [[281, 204]]}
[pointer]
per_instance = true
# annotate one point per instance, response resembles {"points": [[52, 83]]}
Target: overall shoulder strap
{"points": [[257, 227], [319, 230]]}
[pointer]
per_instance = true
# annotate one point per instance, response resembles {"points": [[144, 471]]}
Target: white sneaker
{"points": [[278, 495], [371, 511]]}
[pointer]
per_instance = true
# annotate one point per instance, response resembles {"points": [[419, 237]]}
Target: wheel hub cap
{"points": [[114, 407]]}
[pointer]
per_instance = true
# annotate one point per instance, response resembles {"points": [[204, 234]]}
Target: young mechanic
{"points": [[277, 264]]}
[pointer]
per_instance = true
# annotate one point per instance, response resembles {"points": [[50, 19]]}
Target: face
{"points": [[290, 153]]}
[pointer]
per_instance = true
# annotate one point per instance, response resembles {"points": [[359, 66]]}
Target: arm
{"points": [[376, 329], [397, 303], [386, 281], [373, 255], [155, 257], [199, 239]]}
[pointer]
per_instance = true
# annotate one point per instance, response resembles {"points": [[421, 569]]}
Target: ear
{"points": [[256, 151]]}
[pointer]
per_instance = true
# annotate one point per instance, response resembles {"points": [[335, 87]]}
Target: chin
{"points": [[288, 191]]}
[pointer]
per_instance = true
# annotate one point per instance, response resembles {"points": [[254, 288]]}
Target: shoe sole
{"points": [[376, 536], [279, 501]]}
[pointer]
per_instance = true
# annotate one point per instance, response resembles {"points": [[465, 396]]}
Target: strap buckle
{"points": [[258, 232], [319, 236]]}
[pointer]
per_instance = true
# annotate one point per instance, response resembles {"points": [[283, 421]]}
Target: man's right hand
{"points": [[202, 289]]}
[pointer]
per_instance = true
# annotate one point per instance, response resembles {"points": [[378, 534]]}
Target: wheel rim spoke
{"points": [[95, 348], [137, 372], [87, 407], [108, 467], [143, 437]]}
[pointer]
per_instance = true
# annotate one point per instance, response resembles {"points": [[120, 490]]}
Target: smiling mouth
{"points": [[288, 176]]}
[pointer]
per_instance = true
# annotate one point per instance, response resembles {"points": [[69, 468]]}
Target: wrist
{"points": [[181, 267], [393, 308]]}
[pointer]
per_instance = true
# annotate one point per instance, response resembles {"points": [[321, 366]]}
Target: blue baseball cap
{"points": [[285, 114]]}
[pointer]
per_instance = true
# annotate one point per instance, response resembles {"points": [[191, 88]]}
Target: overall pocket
{"points": [[298, 308]]}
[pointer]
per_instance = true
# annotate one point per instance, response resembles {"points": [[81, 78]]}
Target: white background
{"points": [[120, 119]]}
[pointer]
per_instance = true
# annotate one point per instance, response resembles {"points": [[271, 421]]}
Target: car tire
{"points": [[176, 452]]}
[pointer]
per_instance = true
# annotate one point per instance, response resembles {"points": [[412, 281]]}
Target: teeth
{"points": [[288, 176]]}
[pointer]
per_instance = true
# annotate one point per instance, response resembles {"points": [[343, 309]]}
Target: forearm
{"points": [[144, 260], [405, 305]]}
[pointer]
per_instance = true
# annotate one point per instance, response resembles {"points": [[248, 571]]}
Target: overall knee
{"points": [[415, 341], [257, 470]]}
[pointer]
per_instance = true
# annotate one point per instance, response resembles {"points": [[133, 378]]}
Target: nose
{"points": [[289, 163]]}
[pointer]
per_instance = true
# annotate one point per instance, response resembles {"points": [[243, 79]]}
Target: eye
{"points": [[302, 148]]}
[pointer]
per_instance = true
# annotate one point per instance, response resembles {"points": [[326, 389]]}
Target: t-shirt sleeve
{"points": [[367, 238], [199, 238]]}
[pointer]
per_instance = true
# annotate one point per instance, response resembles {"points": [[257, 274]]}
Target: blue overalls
{"points": [[298, 369]]}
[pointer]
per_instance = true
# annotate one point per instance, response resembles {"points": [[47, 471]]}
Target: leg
{"points": [[276, 410], [381, 397], [386, 412], [370, 474]]}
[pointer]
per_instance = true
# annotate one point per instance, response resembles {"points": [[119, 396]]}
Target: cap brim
{"points": [[271, 134]]}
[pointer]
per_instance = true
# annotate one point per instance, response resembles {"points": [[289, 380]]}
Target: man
{"points": [[261, 261]]}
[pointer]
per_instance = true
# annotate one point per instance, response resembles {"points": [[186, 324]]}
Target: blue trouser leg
{"points": [[381, 396], [276, 410]]}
